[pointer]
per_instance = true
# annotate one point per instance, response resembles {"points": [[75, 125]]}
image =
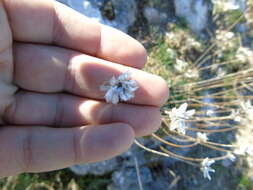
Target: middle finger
{"points": [[50, 69]]}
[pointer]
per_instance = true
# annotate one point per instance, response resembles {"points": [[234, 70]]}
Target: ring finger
{"points": [[63, 110]]}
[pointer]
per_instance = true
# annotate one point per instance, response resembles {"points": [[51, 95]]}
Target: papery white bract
{"points": [[119, 89], [205, 167], [178, 117]]}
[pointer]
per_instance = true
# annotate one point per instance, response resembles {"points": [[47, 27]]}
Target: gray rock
{"points": [[153, 15], [196, 13], [124, 11], [99, 168]]}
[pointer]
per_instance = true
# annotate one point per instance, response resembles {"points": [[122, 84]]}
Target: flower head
{"points": [[209, 112], [231, 157], [180, 65], [248, 108], [244, 149], [244, 54], [178, 117], [202, 137], [205, 167], [181, 113], [119, 89]]}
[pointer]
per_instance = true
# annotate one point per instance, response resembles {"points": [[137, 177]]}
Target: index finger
{"points": [[50, 22]]}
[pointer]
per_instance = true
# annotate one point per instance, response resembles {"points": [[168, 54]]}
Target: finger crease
{"points": [[75, 145], [27, 152], [98, 45], [59, 111], [112, 111], [69, 75], [9, 114], [56, 30]]}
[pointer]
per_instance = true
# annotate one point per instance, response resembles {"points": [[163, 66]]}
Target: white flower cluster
{"points": [[223, 35], [181, 65], [244, 149], [120, 89], [205, 167], [225, 6], [225, 40], [192, 73], [244, 55], [248, 108], [178, 117]]}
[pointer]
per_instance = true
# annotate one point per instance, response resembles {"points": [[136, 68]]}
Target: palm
{"points": [[52, 65]]}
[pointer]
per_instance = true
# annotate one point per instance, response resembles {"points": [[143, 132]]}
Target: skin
{"points": [[52, 114]]}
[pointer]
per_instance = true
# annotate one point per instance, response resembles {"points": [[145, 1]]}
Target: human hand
{"points": [[52, 63]]}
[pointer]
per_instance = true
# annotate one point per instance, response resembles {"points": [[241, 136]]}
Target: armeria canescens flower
{"points": [[244, 149], [205, 167], [119, 89], [202, 137], [231, 157], [178, 117], [248, 108]]}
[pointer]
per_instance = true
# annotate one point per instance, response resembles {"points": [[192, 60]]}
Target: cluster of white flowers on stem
{"points": [[120, 89]]}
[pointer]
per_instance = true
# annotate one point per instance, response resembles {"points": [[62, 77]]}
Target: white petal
{"points": [[108, 95], [173, 125], [173, 113], [115, 98], [113, 81], [130, 85], [124, 76], [123, 96], [133, 84], [183, 108], [182, 127]]}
